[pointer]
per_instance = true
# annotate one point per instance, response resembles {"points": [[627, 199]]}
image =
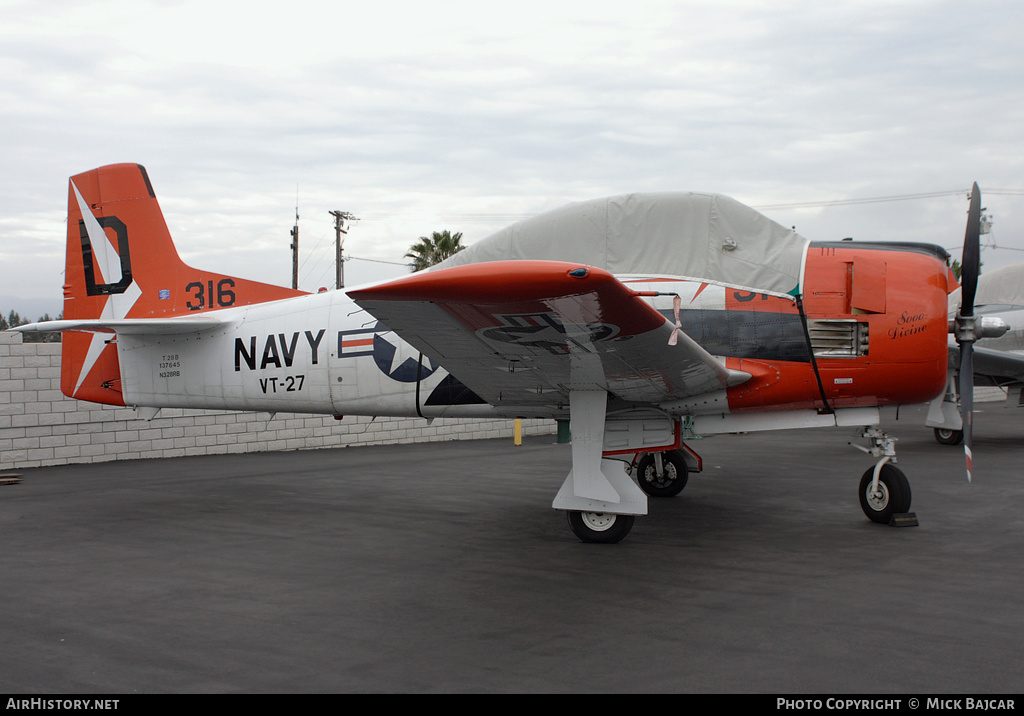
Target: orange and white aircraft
{"points": [[643, 320]]}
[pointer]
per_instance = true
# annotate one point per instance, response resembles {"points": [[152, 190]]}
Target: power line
{"points": [[867, 200], [791, 205], [306, 280], [379, 261], [468, 218], [313, 252], [484, 217]]}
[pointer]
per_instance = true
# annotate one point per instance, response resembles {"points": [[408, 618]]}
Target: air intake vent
{"points": [[838, 338]]}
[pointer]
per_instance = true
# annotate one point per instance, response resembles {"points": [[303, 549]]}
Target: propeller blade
{"points": [[970, 268], [967, 398], [677, 303]]}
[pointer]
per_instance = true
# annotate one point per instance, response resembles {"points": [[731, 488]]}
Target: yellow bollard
{"points": [[519, 431]]}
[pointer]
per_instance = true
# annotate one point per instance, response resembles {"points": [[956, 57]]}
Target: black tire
{"points": [[600, 527], [893, 494], [946, 436], [672, 479]]}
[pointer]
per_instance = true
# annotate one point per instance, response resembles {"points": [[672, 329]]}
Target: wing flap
{"points": [[528, 332]]}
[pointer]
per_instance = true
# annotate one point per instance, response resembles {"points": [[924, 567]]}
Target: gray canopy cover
{"points": [[706, 237], [1001, 289]]}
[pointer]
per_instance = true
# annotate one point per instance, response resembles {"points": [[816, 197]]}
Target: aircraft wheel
{"points": [[601, 527], [672, 479], [949, 437], [892, 497]]}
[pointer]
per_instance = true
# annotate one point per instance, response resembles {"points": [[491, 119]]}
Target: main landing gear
{"points": [[948, 436], [661, 474], [600, 527]]}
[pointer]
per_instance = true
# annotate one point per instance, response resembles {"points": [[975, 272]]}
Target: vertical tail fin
{"points": [[121, 263]]}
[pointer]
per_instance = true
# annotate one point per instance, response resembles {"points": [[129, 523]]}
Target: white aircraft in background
{"points": [[997, 363]]}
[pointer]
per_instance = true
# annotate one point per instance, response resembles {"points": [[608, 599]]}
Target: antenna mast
{"points": [[295, 242]]}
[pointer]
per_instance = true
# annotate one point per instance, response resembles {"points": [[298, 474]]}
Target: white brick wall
{"points": [[39, 426]]}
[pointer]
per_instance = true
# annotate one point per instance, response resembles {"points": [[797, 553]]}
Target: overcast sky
{"points": [[423, 116]]}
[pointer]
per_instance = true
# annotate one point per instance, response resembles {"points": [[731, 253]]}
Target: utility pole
{"points": [[340, 217], [986, 223], [295, 247]]}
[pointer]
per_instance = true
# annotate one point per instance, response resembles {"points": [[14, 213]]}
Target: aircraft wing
{"points": [[528, 332], [994, 366]]}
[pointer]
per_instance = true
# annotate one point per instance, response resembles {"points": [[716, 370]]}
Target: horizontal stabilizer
{"points": [[127, 326]]}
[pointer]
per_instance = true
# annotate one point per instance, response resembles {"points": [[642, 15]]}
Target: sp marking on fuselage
{"points": [[547, 332]]}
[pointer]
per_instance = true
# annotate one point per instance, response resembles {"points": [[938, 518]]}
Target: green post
{"points": [[563, 432]]}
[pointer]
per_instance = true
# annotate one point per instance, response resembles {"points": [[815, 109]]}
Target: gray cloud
{"points": [[421, 119]]}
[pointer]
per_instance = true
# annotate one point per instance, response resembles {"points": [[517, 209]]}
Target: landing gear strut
{"points": [[600, 499]]}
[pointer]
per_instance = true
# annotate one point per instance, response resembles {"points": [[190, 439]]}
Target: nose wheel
{"points": [[891, 495]]}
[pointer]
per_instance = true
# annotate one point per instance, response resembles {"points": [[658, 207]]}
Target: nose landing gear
{"points": [[887, 497], [884, 489]]}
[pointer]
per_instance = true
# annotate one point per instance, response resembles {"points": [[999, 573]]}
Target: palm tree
{"points": [[434, 249], [955, 265]]}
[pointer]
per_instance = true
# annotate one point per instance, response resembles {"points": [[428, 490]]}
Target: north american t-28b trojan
{"points": [[642, 319]]}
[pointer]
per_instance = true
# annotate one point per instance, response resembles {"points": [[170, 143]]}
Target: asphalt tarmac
{"points": [[442, 568]]}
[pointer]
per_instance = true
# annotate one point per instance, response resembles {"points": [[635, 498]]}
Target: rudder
{"points": [[121, 263]]}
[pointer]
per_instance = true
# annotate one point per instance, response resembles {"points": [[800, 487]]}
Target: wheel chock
{"points": [[903, 519]]}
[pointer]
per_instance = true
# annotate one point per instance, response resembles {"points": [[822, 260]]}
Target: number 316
{"points": [[201, 294]]}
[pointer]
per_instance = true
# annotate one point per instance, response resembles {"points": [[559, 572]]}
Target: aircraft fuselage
{"points": [[875, 317]]}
